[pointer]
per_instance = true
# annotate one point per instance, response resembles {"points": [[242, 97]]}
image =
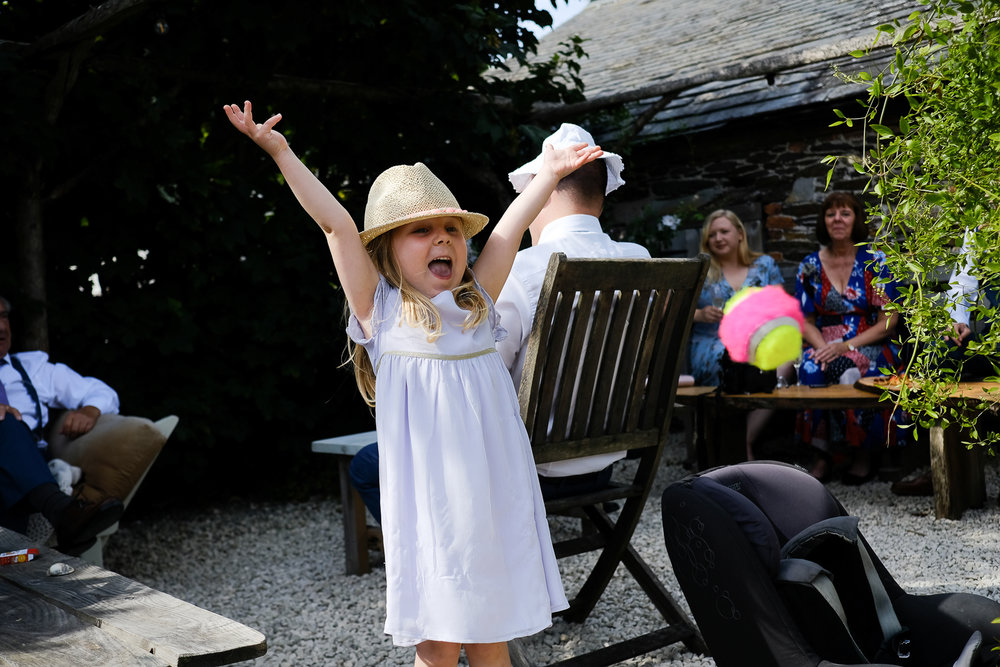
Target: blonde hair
{"points": [[743, 251], [418, 310]]}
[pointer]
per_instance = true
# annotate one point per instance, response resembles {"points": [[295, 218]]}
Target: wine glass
{"points": [[718, 295], [796, 364]]}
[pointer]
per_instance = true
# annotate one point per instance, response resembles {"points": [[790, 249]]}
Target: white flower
{"points": [[670, 222]]}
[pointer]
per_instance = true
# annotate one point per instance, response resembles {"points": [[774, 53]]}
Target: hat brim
{"points": [[521, 176], [472, 223]]}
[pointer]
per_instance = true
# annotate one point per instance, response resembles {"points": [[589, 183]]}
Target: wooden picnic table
{"points": [[956, 470], [959, 479], [721, 427], [92, 616]]}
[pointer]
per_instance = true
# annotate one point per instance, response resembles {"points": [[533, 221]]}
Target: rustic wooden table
{"points": [[957, 471], [721, 426], [92, 616], [959, 480]]}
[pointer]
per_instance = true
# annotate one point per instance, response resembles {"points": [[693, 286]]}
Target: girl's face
{"points": [[839, 222], [431, 254], [723, 237]]}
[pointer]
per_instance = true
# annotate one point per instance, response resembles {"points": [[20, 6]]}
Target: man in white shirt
{"points": [[568, 223], [963, 292], [29, 386]]}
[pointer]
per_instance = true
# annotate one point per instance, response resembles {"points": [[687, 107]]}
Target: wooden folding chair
{"points": [[600, 374]]}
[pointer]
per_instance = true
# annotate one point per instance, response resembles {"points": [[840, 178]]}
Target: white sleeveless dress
{"points": [[468, 556]]}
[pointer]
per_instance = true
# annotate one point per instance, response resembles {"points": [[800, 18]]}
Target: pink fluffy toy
{"points": [[762, 326]]}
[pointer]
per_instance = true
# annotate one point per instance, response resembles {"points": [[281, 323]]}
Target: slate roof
{"points": [[704, 46]]}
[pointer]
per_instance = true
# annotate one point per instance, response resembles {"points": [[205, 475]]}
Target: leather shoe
{"points": [[82, 520], [850, 479], [921, 485]]}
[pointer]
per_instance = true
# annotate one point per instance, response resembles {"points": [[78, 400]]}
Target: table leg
{"points": [[702, 455], [957, 472], [726, 434], [355, 522]]}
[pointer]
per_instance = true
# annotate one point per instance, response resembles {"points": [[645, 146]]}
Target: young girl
{"points": [[468, 556]]}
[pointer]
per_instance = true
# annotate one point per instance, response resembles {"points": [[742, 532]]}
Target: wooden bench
{"points": [[355, 522], [95, 617]]}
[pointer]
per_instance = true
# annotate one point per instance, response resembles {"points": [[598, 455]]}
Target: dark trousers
{"points": [[561, 487], [22, 468], [363, 472], [364, 477], [973, 368]]}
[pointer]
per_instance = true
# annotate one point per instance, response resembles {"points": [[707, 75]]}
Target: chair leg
{"points": [[600, 576], [604, 569], [662, 599]]}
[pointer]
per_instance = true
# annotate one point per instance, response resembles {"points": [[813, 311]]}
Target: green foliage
{"points": [[219, 301], [937, 175]]}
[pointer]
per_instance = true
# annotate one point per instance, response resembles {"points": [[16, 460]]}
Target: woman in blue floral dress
{"points": [[842, 290], [733, 267]]}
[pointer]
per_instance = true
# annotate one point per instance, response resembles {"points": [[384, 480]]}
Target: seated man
{"points": [[568, 223], [29, 386], [964, 291]]}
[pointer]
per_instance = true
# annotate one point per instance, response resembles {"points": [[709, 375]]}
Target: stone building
{"points": [[727, 105]]}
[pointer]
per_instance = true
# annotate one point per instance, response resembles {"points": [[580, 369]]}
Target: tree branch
{"points": [[97, 20]]}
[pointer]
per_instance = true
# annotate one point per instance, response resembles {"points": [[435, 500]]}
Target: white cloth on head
{"points": [[576, 235], [567, 135], [468, 556]]}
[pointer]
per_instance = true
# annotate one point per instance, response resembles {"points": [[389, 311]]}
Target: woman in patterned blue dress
{"points": [[733, 267], [842, 289]]}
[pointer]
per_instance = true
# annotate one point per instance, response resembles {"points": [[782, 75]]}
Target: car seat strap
{"points": [[805, 572]]}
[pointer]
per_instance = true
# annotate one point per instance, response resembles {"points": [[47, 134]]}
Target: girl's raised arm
{"points": [[355, 269], [493, 265]]}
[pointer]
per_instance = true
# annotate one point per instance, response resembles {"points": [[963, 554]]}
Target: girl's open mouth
{"points": [[440, 267]]}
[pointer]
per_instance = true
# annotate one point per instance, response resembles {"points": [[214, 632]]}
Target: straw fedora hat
{"points": [[404, 194]]}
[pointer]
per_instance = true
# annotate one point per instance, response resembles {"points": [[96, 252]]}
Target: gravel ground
{"points": [[278, 568]]}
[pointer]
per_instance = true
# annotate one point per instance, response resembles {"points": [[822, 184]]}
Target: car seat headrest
{"points": [[755, 526], [789, 497]]}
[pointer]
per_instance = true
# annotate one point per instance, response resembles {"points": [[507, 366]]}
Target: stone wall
{"points": [[769, 172]]}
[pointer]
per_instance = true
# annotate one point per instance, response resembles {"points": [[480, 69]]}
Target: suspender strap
{"points": [[37, 432]]}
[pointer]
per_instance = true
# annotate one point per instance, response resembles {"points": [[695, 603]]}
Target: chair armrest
{"points": [[114, 456]]}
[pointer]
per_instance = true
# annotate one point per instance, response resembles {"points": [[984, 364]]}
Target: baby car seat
{"points": [[777, 573]]}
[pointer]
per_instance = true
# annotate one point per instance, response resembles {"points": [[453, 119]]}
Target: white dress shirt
{"points": [[58, 386], [576, 236], [963, 286]]}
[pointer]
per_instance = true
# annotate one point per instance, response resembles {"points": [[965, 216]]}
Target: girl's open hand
{"points": [[563, 161], [262, 134]]}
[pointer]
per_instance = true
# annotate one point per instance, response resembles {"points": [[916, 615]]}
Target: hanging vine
{"points": [[935, 170]]}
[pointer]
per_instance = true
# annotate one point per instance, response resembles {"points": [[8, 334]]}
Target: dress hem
{"points": [[398, 640]]}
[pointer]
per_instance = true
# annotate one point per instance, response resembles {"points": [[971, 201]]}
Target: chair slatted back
{"points": [[606, 344], [600, 375]]}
